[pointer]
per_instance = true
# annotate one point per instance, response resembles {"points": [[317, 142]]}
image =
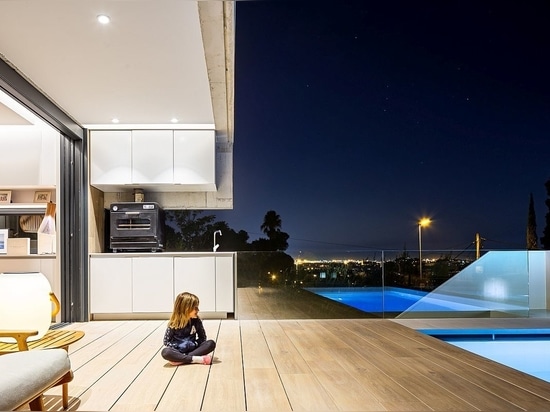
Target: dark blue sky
{"points": [[353, 119]]}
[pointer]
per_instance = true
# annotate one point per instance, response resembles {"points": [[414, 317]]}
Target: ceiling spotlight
{"points": [[174, 120], [115, 120], [103, 19]]}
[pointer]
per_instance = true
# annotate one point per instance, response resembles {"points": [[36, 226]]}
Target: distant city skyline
{"points": [[355, 119]]}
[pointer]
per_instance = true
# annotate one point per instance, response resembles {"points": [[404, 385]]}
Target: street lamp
{"points": [[422, 222]]}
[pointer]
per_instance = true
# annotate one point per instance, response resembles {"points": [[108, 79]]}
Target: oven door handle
{"points": [[132, 213]]}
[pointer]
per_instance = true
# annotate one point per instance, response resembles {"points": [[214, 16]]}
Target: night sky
{"points": [[353, 119]]}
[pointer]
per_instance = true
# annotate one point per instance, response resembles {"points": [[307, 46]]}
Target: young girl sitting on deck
{"points": [[185, 338]]}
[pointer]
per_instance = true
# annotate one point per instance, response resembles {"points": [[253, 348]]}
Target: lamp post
{"points": [[422, 222]]}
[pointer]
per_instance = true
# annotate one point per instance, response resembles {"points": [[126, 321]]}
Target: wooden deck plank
{"points": [[305, 393], [225, 389], [461, 387], [255, 351], [381, 349], [343, 388], [107, 345], [388, 392], [286, 356], [112, 372], [294, 372], [148, 387], [264, 388]]}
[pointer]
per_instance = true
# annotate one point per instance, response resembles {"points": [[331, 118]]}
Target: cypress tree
{"points": [[545, 239], [532, 243]]}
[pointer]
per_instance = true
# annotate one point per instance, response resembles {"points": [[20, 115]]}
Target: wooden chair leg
{"points": [[65, 390], [37, 404]]}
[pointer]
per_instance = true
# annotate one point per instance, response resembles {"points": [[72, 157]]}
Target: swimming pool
{"points": [[373, 300], [410, 303], [525, 350]]}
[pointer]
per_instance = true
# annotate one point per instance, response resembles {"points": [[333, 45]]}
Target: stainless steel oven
{"points": [[136, 227]]}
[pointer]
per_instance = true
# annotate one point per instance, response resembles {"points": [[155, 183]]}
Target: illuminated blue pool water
{"points": [[374, 299], [525, 350]]}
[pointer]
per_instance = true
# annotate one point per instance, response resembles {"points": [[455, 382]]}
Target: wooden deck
{"points": [[294, 351], [316, 365]]}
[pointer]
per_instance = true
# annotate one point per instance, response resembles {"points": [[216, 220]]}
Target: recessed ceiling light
{"points": [[103, 19], [115, 120], [174, 120]]}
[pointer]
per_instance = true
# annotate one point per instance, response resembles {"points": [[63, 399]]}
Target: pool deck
{"points": [[294, 362], [476, 323]]}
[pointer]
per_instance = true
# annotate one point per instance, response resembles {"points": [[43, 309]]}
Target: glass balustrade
{"points": [[392, 284]]}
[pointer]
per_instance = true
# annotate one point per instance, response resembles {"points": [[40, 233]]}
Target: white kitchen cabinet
{"points": [[145, 285], [152, 157], [196, 275], [195, 159], [111, 285], [153, 160], [225, 286], [111, 157], [152, 284]]}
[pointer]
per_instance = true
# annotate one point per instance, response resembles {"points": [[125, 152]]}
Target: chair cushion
{"points": [[27, 374]]}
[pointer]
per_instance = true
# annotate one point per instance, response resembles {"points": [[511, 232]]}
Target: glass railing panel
{"points": [[495, 285]]}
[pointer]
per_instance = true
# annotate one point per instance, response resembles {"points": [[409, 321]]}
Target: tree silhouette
{"points": [[188, 230], [276, 239], [272, 223], [532, 242], [230, 240], [545, 239]]}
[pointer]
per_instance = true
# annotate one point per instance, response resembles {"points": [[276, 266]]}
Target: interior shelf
{"points": [[23, 209]]}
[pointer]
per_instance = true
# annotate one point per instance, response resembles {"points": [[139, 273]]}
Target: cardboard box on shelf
{"points": [[19, 246]]}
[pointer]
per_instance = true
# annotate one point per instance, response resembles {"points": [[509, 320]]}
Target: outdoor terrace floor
{"points": [[262, 364]]}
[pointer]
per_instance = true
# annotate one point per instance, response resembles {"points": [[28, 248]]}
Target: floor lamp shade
{"points": [[25, 303]]}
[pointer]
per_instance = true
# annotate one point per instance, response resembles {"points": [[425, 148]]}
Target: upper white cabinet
{"points": [[33, 157], [154, 160], [111, 157], [152, 156], [195, 159]]}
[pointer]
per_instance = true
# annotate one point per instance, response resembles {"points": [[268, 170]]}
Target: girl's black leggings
{"points": [[174, 355]]}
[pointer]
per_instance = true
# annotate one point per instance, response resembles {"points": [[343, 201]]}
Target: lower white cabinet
{"points": [[191, 275], [152, 284], [149, 283], [225, 285], [111, 285]]}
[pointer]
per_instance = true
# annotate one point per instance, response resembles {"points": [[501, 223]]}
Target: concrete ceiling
{"points": [[156, 61]]}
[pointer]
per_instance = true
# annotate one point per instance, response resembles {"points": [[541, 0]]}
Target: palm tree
{"points": [[272, 224]]}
